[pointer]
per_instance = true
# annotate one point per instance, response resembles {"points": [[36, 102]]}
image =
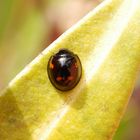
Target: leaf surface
{"points": [[107, 41]]}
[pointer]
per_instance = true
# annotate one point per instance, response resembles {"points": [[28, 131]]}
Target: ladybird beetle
{"points": [[64, 70]]}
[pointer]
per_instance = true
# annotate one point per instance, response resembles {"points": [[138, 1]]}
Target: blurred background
{"points": [[28, 26]]}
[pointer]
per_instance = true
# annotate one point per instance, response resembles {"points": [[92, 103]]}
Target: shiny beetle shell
{"points": [[64, 70]]}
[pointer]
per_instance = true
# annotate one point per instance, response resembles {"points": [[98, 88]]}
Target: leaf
{"points": [[107, 41]]}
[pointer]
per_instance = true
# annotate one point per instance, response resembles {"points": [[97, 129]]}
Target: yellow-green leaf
{"points": [[107, 41]]}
